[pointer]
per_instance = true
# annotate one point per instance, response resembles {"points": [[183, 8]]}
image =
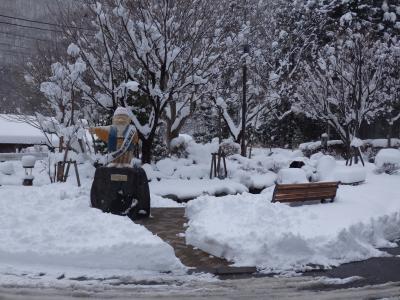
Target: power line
{"points": [[32, 27], [26, 37], [15, 46], [44, 23], [15, 53]]}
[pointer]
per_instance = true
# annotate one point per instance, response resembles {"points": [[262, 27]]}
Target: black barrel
{"points": [[121, 191]]}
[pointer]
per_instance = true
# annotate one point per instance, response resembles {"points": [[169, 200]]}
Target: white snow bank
{"points": [[158, 201], [250, 231], [190, 189], [260, 181], [53, 226], [387, 156]]}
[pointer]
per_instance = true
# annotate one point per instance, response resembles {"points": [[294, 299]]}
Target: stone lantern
{"points": [[28, 163]]}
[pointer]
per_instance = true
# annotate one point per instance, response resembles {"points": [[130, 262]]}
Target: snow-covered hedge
{"points": [[387, 161], [7, 168], [335, 148]]}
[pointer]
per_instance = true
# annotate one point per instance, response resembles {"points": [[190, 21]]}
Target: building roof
{"points": [[15, 130]]}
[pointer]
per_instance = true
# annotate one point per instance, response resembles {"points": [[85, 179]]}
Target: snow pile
{"points": [[387, 156], [329, 170], [325, 166], [261, 181], [349, 175], [292, 176], [28, 161], [7, 168], [249, 230], [54, 226]]}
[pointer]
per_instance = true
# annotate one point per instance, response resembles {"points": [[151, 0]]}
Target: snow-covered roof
{"points": [[14, 130]]}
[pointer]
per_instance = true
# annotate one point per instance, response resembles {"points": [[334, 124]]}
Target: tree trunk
{"points": [[60, 165], [243, 150], [147, 147], [389, 136], [170, 136]]}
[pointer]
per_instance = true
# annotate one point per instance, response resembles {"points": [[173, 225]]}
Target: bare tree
{"points": [[343, 87]]}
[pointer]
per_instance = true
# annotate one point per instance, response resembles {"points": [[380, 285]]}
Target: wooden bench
{"points": [[305, 192]]}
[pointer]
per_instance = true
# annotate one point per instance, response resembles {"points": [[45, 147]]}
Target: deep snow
{"points": [[52, 227], [250, 230]]}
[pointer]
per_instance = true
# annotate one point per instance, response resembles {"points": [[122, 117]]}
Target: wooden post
{"points": [[226, 170], [77, 174], [67, 171], [218, 165], [212, 163], [215, 164]]}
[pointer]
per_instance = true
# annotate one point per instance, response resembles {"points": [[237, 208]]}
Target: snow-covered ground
{"points": [[51, 228], [250, 230]]}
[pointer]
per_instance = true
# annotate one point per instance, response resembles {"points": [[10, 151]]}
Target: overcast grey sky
{"points": [[16, 39]]}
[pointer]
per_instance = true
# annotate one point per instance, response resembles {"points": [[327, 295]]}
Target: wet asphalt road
{"points": [[377, 270], [380, 280]]}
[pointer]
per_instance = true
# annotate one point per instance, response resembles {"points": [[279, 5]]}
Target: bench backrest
{"points": [[304, 191]]}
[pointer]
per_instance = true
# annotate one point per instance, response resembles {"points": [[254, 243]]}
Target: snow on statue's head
{"points": [[121, 117]]}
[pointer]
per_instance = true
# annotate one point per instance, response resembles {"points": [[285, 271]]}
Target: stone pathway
{"points": [[168, 224]]}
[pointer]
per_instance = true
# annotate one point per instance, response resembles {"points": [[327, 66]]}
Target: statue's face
{"points": [[121, 120]]}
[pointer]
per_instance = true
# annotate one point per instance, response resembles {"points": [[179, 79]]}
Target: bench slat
{"points": [[306, 185], [304, 191], [300, 194], [304, 196], [302, 199]]}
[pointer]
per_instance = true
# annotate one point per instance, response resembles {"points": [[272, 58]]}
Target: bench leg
{"points": [[323, 200], [332, 200]]}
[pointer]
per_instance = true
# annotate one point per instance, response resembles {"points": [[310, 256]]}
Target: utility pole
{"points": [[243, 150]]}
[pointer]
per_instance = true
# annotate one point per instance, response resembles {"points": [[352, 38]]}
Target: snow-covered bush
{"points": [[387, 161], [178, 146], [373, 146], [160, 149], [325, 166], [349, 175], [292, 176], [229, 147], [278, 162], [7, 168], [335, 148], [166, 166]]}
